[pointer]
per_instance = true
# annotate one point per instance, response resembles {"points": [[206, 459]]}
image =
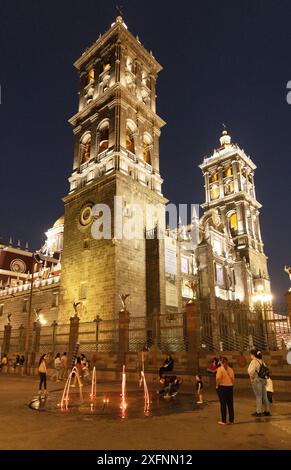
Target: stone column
{"points": [[21, 340], [206, 186], [73, 336], [153, 93], [235, 172], [54, 332], [6, 339], [193, 334], [220, 182], [123, 336]]}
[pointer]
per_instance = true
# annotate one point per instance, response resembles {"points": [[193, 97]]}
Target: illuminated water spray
{"points": [[123, 405], [65, 398], [93, 386], [146, 394]]}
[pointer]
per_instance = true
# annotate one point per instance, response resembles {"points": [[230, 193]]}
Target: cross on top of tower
{"points": [[119, 9]]}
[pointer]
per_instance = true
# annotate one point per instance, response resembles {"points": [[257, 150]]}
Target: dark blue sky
{"points": [[224, 61]]}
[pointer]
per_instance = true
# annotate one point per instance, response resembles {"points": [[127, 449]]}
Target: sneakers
{"points": [[199, 402], [267, 413], [221, 423], [257, 415]]}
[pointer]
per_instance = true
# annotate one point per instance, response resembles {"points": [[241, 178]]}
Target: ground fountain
{"points": [[112, 400]]}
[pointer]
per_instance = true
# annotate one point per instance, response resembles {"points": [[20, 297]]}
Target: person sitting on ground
{"points": [[171, 385], [167, 366], [166, 382], [175, 385], [17, 361]]}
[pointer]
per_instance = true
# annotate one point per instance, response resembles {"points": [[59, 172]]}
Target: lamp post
{"points": [[263, 299], [35, 261]]}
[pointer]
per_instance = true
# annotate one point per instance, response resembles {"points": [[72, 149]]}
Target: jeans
{"points": [[42, 377], [225, 394], [259, 388]]}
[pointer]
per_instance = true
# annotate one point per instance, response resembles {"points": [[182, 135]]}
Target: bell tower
{"points": [[116, 154], [230, 189]]}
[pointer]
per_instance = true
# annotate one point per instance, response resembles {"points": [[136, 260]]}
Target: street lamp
{"points": [[262, 298], [36, 259]]}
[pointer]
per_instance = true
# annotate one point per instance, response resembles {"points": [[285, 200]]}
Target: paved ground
{"points": [[23, 428]]}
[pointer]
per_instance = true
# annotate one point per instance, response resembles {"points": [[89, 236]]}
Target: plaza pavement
{"points": [[197, 429]]}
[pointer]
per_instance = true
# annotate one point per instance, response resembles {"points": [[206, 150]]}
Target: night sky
{"points": [[224, 62]]}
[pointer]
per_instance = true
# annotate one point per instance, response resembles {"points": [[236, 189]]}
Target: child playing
{"points": [[199, 388], [270, 389]]}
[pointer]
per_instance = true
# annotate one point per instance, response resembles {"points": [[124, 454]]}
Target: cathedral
{"points": [[116, 157]]}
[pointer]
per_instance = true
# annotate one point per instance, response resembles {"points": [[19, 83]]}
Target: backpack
{"points": [[263, 372]]}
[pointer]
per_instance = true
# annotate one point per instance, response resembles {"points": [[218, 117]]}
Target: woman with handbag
{"points": [[258, 373], [224, 387]]}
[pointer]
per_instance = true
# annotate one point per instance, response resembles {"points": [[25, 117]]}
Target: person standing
{"points": [[258, 383], [42, 369], [64, 365], [199, 389], [270, 389], [224, 386], [58, 367]]}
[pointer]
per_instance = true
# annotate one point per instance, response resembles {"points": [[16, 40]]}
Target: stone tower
{"points": [[230, 190], [116, 154]]}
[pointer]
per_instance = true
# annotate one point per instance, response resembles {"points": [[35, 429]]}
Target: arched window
{"points": [[86, 148], [103, 137], [228, 188], [147, 144], [214, 192], [130, 132], [129, 64], [213, 178], [233, 225], [90, 76], [227, 172]]}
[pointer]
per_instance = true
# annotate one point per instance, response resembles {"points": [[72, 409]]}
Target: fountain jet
{"points": [[65, 397]]}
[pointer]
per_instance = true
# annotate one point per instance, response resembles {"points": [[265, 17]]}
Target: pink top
{"points": [[224, 376]]}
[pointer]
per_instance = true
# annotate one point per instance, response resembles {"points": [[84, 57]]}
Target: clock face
{"points": [[86, 215], [18, 266]]}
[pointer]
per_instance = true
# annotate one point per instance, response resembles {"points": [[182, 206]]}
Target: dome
{"points": [[225, 139], [59, 222]]}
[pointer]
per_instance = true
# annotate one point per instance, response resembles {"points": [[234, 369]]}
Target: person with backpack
{"points": [[259, 372]]}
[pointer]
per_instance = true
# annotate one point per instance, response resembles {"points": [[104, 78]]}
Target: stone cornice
{"points": [[125, 99], [122, 34], [234, 153], [236, 198]]}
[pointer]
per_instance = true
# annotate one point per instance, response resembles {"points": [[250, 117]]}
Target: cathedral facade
{"points": [[116, 167]]}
